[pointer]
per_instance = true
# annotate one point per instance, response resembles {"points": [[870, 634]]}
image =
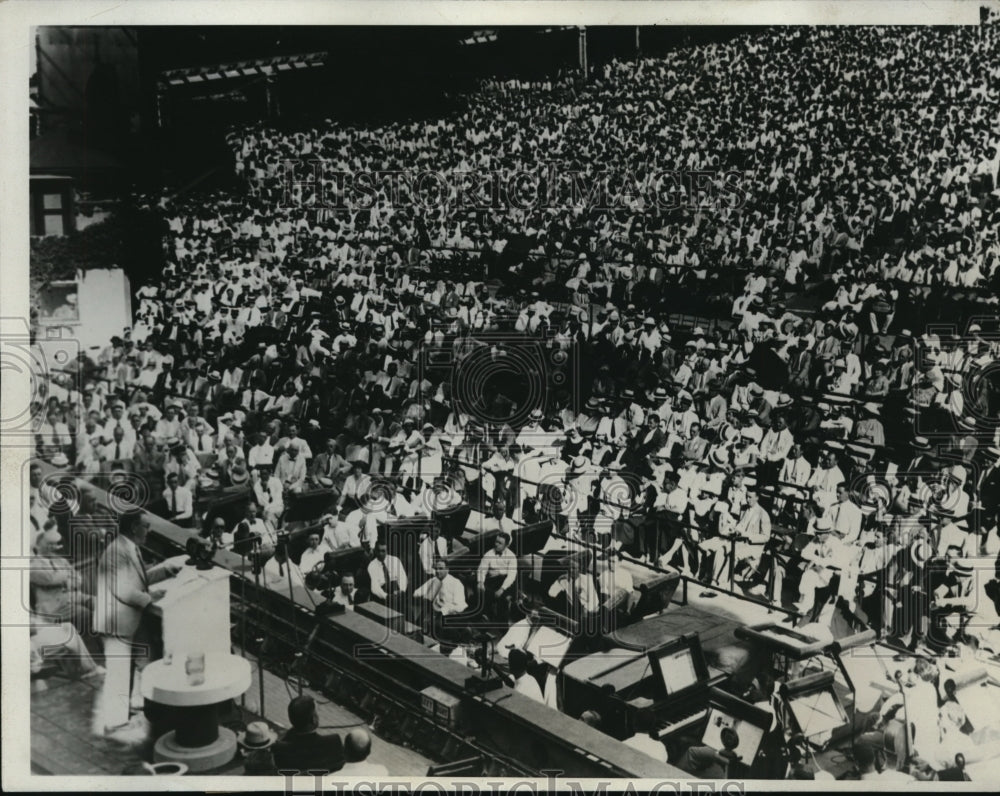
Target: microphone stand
{"points": [[283, 546], [906, 716], [243, 618], [255, 554]]}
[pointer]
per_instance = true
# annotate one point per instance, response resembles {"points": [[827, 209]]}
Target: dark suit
{"points": [[989, 490], [303, 752]]}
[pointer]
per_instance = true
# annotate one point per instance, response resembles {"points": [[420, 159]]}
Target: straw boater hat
{"points": [[967, 424], [718, 459], [239, 475], [822, 525], [256, 736]]}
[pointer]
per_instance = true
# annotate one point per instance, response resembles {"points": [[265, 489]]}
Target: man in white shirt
{"points": [[346, 593], [275, 573], [257, 525], [433, 546], [179, 501], [220, 535], [291, 470], [524, 683], [443, 595], [825, 479], [495, 577], [118, 420], [774, 447], [845, 516], [262, 451], [580, 590], [338, 535], [118, 448], [388, 577], [754, 530]]}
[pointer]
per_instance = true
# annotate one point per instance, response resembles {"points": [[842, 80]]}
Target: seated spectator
{"points": [[56, 587], [495, 578], [303, 750], [256, 743], [388, 577], [357, 748]]}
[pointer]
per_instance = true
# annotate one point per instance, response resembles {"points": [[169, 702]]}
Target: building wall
{"points": [[92, 71], [103, 308]]}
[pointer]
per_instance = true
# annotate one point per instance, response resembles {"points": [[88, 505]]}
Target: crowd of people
{"points": [[750, 385]]}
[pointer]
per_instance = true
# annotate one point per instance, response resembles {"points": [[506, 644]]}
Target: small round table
{"points": [[198, 741]]}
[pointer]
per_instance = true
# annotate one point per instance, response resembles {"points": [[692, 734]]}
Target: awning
{"points": [[261, 66]]}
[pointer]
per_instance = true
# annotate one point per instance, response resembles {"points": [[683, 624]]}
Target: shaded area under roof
{"points": [[61, 152]]}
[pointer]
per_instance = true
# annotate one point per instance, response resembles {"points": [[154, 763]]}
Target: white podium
{"points": [[195, 612]]}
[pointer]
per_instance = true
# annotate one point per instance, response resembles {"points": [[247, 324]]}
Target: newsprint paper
{"points": [[500, 396]]}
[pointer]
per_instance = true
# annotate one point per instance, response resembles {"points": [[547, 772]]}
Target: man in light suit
{"points": [[122, 595]]}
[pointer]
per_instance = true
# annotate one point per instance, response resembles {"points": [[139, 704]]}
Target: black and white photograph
{"points": [[501, 400]]}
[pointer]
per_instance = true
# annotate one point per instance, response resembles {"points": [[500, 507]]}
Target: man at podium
{"points": [[122, 598]]}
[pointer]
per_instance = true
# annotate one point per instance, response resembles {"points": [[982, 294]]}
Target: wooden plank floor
{"points": [[62, 743]]}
